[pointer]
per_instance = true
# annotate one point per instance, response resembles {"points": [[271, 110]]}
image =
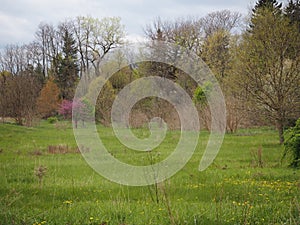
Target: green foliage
{"points": [[202, 93], [216, 53], [52, 119], [292, 144], [104, 94], [268, 67]]}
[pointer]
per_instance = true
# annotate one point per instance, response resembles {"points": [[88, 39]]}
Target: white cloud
{"points": [[19, 19], [14, 29]]}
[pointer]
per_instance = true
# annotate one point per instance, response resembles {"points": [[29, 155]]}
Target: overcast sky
{"points": [[19, 18]]}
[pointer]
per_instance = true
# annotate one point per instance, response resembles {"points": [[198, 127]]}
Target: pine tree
{"points": [[67, 75], [261, 7], [293, 12], [273, 5]]}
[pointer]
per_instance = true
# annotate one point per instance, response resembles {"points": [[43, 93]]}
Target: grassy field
{"points": [[44, 180]]}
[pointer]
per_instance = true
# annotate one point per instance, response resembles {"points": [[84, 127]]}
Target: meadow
{"points": [[45, 180]]}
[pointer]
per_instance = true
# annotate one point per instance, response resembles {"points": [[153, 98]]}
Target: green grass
{"points": [[233, 190]]}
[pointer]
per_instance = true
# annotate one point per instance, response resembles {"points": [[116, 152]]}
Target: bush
{"points": [[292, 144], [52, 119]]}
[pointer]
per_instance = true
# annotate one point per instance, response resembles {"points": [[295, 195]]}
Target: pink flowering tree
{"points": [[77, 109]]}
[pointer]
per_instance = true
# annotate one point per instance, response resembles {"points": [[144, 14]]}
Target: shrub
{"points": [[78, 109], [52, 119], [292, 144], [48, 101]]}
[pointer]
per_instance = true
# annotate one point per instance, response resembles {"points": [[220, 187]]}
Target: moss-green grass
{"points": [[233, 190]]}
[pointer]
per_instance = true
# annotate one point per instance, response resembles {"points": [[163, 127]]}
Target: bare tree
{"points": [[187, 33], [21, 94], [20, 83], [49, 40], [221, 20], [96, 38], [33, 54], [82, 27], [3, 100], [13, 59]]}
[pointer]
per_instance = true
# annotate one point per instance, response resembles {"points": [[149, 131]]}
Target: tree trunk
{"points": [[19, 121], [280, 131]]}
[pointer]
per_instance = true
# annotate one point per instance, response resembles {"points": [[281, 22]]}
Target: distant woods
{"points": [[59, 54], [256, 61]]}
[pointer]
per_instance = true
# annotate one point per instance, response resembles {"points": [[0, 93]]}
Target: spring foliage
{"points": [[292, 144]]}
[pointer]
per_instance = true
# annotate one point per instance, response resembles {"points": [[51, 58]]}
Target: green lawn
{"points": [[233, 190]]}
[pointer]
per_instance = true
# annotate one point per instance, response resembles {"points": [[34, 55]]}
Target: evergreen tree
{"points": [[273, 5], [67, 75], [264, 5], [293, 12]]}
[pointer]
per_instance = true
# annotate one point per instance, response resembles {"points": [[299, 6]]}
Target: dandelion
{"points": [[39, 223], [68, 202]]}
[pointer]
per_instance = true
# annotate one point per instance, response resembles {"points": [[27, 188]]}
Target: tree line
{"points": [[256, 61]]}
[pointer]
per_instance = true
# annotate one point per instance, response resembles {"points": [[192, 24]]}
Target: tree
{"points": [[268, 67], [13, 59], [67, 75], [21, 93], [104, 99], [96, 38], [216, 53], [48, 101], [4, 76], [273, 5], [207, 37], [187, 33], [264, 5], [49, 41], [292, 144], [293, 12], [220, 20], [78, 109], [65, 109], [200, 97], [21, 83]]}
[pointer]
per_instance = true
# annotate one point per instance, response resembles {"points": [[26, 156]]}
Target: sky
{"points": [[19, 19]]}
